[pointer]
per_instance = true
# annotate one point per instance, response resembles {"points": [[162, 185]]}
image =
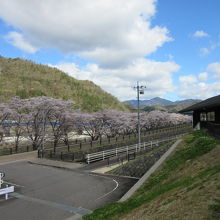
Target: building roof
{"points": [[206, 104]]}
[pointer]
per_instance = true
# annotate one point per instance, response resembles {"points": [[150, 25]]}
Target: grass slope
{"points": [[185, 187], [27, 79]]}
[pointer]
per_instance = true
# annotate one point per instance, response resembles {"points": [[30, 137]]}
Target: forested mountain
{"points": [[160, 104], [26, 79], [157, 101]]}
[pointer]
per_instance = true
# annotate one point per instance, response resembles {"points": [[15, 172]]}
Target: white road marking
{"points": [[117, 184], [68, 208]]}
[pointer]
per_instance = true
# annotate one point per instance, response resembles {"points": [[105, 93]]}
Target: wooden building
{"points": [[206, 115]]}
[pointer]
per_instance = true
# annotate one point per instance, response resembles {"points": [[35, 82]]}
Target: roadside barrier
{"points": [[102, 155], [5, 191]]}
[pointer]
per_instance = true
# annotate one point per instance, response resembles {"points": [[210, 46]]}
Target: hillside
{"points": [[170, 108], [27, 79], [186, 186], [151, 102]]}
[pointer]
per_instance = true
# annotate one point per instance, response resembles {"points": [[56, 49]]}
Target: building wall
{"points": [[196, 116], [217, 115]]}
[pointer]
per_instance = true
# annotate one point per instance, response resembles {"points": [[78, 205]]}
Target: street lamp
{"points": [[140, 91]]}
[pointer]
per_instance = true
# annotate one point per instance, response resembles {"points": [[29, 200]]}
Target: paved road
{"points": [[44, 192]]}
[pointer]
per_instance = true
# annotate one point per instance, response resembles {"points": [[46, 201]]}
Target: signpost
{"points": [[1, 179]]}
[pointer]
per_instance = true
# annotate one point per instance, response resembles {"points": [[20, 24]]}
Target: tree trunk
{"points": [[55, 142]]}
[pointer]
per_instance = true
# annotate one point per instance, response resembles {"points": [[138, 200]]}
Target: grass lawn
{"points": [[186, 186]]}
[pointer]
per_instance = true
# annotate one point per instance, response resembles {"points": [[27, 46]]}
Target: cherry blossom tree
{"points": [[92, 123], [17, 118], [5, 113], [58, 118], [38, 112]]}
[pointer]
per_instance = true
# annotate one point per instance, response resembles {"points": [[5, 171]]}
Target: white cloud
{"points": [[157, 76], [18, 41], [112, 33], [199, 90], [214, 68], [207, 50], [203, 76], [190, 87], [200, 33], [187, 79], [204, 51]]}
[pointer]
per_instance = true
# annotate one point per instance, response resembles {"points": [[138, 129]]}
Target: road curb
{"points": [[149, 172], [17, 157]]}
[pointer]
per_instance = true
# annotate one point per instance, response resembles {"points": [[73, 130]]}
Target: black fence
{"points": [[68, 154], [79, 147], [13, 150]]}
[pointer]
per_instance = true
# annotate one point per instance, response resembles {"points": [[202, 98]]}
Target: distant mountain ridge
{"points": [[157, 101]]}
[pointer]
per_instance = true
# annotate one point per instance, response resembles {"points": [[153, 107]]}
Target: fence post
{"points": [[144, 145], [116, 152], [103, 155], [88, 159]]}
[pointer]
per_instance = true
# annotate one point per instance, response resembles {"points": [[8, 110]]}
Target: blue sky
{"points": [[170, 46]]}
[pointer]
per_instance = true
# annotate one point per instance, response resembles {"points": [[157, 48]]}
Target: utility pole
{"points": [[44, 122], [140, 91]]}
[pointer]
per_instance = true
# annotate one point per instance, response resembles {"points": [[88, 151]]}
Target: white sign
{"points": [[1, 180]]}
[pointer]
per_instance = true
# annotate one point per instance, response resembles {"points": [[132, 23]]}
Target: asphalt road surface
{"points": [[43, 192]]}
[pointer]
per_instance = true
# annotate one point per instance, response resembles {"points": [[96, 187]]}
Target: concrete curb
{"points": [[149, 172], [56, 164], [18, 157]]}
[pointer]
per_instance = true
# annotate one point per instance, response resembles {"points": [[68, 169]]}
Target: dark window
{"points": [[203, 116], [211, 116], [207, 116]]}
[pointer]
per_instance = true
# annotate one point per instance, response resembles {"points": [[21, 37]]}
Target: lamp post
{"points": [[140, 91]]}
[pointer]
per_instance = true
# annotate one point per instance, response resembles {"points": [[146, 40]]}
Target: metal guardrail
{"points": [[102, 155], [6, 190]]}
